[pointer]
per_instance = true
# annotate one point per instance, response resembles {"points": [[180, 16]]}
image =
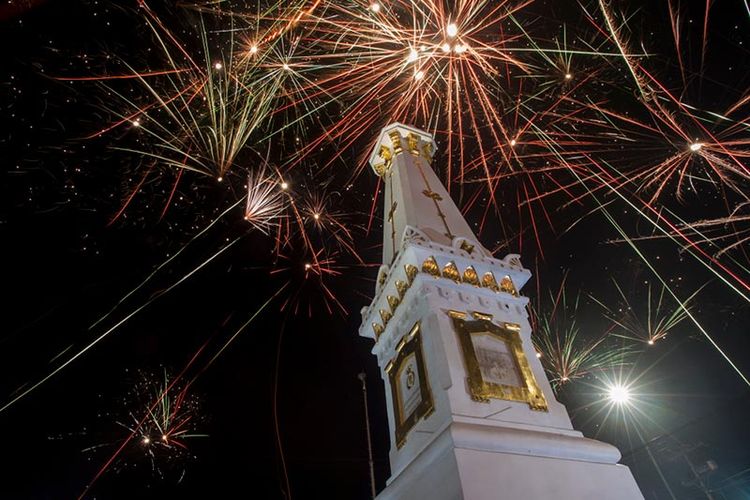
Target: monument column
{"points": [[470, 411]]}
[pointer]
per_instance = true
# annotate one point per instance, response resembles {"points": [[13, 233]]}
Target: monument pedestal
{"points": [[522, 465]]}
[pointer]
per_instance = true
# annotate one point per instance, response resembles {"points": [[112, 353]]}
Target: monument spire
{"points": [[470, 411], [415, 197]]}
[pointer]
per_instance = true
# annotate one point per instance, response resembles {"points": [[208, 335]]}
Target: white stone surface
{"points": [[468, 449], [447, 471], [503, 476]]}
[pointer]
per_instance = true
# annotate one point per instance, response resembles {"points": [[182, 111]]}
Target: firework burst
{"points": [[266, 201], [650, 325], [566, 352], [310, 276], [163, 419]]}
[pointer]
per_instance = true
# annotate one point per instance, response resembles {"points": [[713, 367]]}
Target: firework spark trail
{"points": [[704, 44], [700, 228], [329, 228], [323, 217], [206, 139], [117, 325], [610, 184], [614, 33], [663, 282], [134, 117], [291, 22], [674, 19], [266, 202], [138, 76], [652, 90], [740, 168], [237, 332], [689, 245], [302, 231], [743, 236], [168, 203], [565, 353], [658, 324], [166, 262], [171, 421], [132, 195], [392, 47], [319, 245], [657, 177], [314, 274]]}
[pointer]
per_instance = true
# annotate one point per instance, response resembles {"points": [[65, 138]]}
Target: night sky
{"points": [[256, 323]]}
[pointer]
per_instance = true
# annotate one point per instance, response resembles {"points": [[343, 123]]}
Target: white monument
{"points": [[470, 411]]}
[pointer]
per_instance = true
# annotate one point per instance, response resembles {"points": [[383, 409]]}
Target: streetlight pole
{"points": [[362, 377]]}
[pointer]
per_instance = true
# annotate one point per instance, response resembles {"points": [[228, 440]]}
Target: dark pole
{"points": [[362, 377], [698, 479]]}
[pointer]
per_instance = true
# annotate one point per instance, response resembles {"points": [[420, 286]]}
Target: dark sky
{"points": [[65, 263]]}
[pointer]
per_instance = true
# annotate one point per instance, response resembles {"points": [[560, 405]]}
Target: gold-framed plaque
{"points": [[410, 388], [496, 365]]}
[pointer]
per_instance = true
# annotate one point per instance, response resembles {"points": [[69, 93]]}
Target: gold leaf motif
{"points": [[378, 329], [401, 343], [467, 247], [432, 195], [413, 142], [411, 377], [411, 272], [481, 315], [380, 169], [507, 286], [396, 141], [392, 211], [427, 151], [385, 153], [430, 266], [488, 281], [385, 316], [392, 302], [450, 271], [402, 287], [457, 314], [382, 277], [470, 276]]}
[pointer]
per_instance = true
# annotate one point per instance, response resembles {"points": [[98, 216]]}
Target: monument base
{"points": [[477, 462]]}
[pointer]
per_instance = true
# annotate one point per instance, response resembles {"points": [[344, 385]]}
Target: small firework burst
{"points": [[266, 201], [648, 324], [313, 246], [333, 227], [309, 279], [162, 417], [566, 352]]}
